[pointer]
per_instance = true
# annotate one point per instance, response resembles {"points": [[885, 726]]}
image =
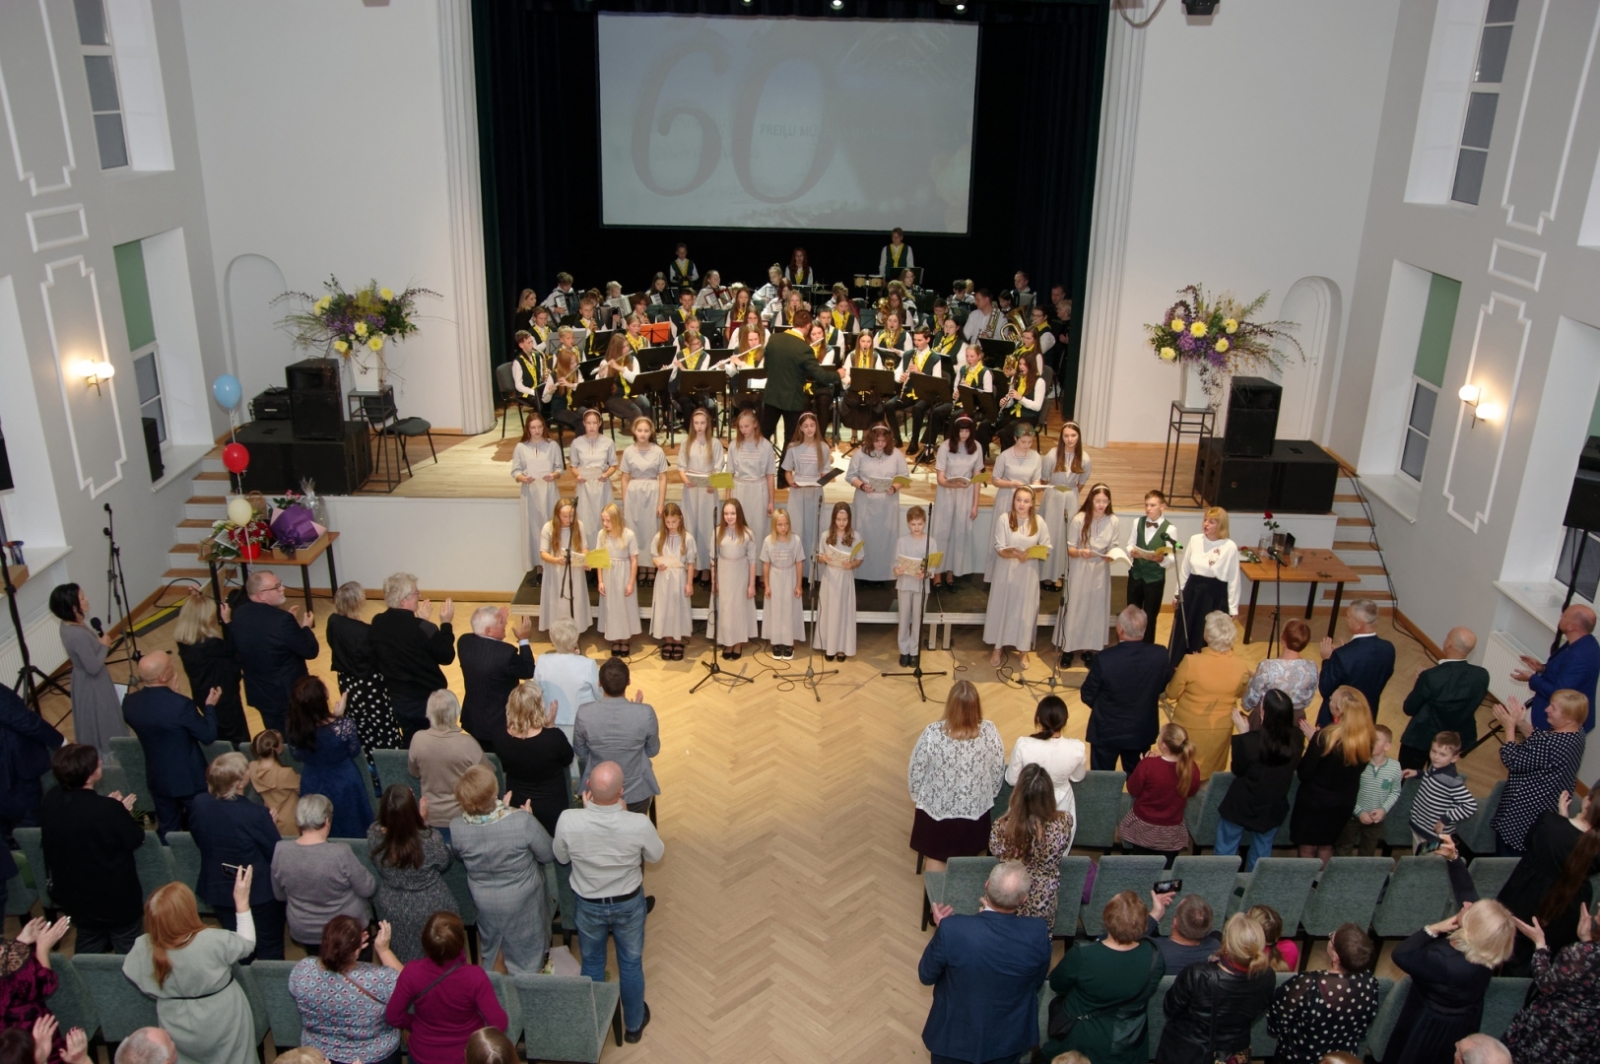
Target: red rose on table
{"points": [[1267, 515]]}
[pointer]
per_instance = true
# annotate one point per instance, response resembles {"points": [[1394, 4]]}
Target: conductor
{"points": [[789, 364]]}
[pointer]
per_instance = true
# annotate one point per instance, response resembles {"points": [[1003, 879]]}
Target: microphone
{"points": [[94, 622]]}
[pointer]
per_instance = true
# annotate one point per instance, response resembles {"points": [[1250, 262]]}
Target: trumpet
{"points": [[1010, 367]]}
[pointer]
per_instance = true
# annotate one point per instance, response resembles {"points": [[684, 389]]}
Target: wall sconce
{"points": [[94, 372], [1472, 395]]}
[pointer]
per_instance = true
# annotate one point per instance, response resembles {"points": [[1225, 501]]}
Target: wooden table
{"points": [[303, 557], [1316, 567]]}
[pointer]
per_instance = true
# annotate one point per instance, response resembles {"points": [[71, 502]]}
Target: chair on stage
{"points": [[507, 395], [384, 421]]}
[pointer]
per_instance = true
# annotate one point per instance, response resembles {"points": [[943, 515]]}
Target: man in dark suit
{"points": [[171, 728], [26, 743], [491, 671], [621, 730], [1574, 666], [790, 363], [1444, 698], [1365, 661], [985, 971], [1122, 692], [409, 649], [88, 843], [272, 645]]}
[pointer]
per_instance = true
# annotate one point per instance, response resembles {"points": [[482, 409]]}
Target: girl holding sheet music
{"points": [[858, 414], [563, 591], [876, 508], [1067, 470], [619, 581], [1093, 531], [536, 465], [699, 457], [782, 618], [1020, 539], [644, 484], [672, 550], [912, 553], [894, 337], [808, 457], [955, 502], [839, 555], [1018, 466], [593, 458], [755, 473], [733, 581]]}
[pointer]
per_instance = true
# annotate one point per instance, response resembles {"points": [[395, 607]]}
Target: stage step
{"points": [[206, 507], [193, 529], [1361, 521]]}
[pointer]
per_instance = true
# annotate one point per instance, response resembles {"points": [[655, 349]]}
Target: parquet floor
{"points": [[788, 908]]}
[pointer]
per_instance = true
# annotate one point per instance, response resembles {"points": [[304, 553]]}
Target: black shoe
{"points": [[1066, 659], [649, 907], [634, 1036], [1088, 658]]}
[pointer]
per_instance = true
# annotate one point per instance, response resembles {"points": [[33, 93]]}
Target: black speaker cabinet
{"points": [[1234, 483], [315, 399], [1253, 404], [1297, 477], [6, 483], [152, 448], [1307, 478], [279, 460]]}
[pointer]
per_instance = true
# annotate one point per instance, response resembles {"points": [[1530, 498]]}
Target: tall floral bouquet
{"points": [[1214, 334], [355, 324]]}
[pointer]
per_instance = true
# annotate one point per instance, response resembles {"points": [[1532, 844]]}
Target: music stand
{"points": [[995, 352], [935, 391], [592, 395], [872, 387], [982, 407], [891, 357], [654, 358], [658, 312], [653, 384], [657, 332]]}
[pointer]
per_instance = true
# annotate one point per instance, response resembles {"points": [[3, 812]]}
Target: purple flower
{"points": [[1186, 344]]}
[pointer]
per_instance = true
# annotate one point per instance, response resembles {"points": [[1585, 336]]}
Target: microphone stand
{"points": [[32, 681], [713, 670], [117, 580], [814, 675], [921, 602]]}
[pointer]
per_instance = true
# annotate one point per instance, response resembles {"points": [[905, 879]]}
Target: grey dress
{"points": [[669, 606], [1059, 507], [736, 610], [502, 852], [408, 896], [96, 711], [1087, 625], [199, 1004], [1012, 464]]}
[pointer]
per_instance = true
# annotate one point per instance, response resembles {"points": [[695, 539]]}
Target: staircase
{"points": [[1352, 542], [207, 503]]}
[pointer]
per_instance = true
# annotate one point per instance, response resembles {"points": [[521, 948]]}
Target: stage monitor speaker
{"points": [[1298, 477], [152, 448], [6, 483], [1253, 404], [280, 460], [315, 400], [1583, 505]]}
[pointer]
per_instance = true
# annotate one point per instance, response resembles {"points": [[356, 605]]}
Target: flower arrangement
{"points": [[354, 324], [249, 540], [1214, 334]]}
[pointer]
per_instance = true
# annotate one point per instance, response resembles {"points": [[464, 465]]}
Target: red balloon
{"points": [[236, 458]]}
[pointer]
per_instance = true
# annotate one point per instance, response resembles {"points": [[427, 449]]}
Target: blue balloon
{"points": [[225, 389]]}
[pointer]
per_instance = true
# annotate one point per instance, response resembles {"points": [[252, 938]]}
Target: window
{"points": [[148, 376], [1419, 427], [134, 285], [1473, 154], [1427, 372], [99, 65]]}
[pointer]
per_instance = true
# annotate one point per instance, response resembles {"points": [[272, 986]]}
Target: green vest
{"points": [[1143, 569]]}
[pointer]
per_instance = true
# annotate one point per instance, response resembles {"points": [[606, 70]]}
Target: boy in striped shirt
{"points": [[1380, 789], [1442, 796]]}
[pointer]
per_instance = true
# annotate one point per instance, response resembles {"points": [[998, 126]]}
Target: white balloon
{"points": [[240, 511]]}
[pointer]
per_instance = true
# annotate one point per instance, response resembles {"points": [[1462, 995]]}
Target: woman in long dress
{"points": [[619, 581], [955, 501], [672, 549], [755, 474], [187, 968], [839, 556], [96, 710], [1094, 530], [1012, 618], [876, 507], [1067, 470], [782, 618], [564, 592], [1018, 466], [808, 457], [536, 464], [699, 457], [1208, 580], [644, 486], [593, 458], [733, 582]]}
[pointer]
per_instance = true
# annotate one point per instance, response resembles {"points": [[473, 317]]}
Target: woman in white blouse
{"points": [[1067, 760], [1208, 579], [954, 776]]}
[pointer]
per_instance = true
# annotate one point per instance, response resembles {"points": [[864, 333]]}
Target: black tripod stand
{"points": [[32, 681], [920, 601], [814, 675], [713, 670], [1055, 668], [118, 585]]}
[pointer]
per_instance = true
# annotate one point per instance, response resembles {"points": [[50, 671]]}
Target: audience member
{"points": [[985, 970], [1365, 661], [567, 677], [1264, 763], [88, 843], [341, 1000], [954, 775], [439, 755], [1317, 1013], [272, 646], [96, 709], [1212, 1006], [1288, 672], [1444, 698], [26, 980], [188, 968], [147, 1045], [1035, 833], [231, 832], [441, 999], [408, 650], [1106, 987], [1442, 798], [26, 744], [365, 690], [171, 729], [1194, 936], [1450, 963], [1539, 765], [1204, 690], [1558, 1021], [617, 729], [327, 746], [535, 756], [1375, 797], [1282, 953], [491, 670], [1481, 1049], [1160, 787], [606, 843], [276, 784], [1551, 883], [209, 660], [502, 848], [1575, 666], [317, 878], [1330, 774], [1066, 760], [489, 1046], [409, 860], [41, 1042], [1123, 692]]}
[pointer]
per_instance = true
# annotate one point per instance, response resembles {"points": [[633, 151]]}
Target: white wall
{"points": [[322, 137]]}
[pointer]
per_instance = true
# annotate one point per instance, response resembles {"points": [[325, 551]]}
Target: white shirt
{"points": [[606, 846], [907, 259], [1067, 761], [977, 323], [1213, 557]]}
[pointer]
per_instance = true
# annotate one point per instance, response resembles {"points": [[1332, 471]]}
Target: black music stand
{"points": [[743, 393], [891, 357], [654, 358], [592, 395], [995, 352], [936, 392], [702, 384], [654, 384], [873, 387], [980, 406]]}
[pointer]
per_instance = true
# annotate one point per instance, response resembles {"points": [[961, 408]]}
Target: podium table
{"points": [[1316, 567], [304, 557]]}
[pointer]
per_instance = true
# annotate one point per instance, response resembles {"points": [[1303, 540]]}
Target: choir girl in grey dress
{"points": [[563, 592], [673, 551], [1066, 468], [644, 485], [836, 597], [808, 457], [733, 581], [782, 620], [619, 581], [1012, 619], [876, 508], [755, 474], [1094, 530], [536, 465], [1018, 466], [593, 458], [699, 457], [955, 502]]}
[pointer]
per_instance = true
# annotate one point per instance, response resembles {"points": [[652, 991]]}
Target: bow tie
{"points": [[1153, 527]]}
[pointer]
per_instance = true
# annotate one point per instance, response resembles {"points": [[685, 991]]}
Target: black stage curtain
{"points": [[1041, 70]]}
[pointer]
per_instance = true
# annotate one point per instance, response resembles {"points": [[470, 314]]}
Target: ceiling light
{"points": [[961, 7], [837, 5]]}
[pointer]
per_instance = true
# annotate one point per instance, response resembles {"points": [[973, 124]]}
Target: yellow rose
{"points": [[1198, 329], [1222, 345], [376, 343], [361, 329], [386, 293], [340, 346], [1177, 325], [1169, 354], [1231, 325]]}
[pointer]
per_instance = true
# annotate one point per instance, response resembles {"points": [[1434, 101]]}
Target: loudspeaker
{"points": [[6, 483], [1252, 417], [152, 448], [1231, 482], [1583, 505], [279, 460], [1298, 477], [1307, 477], [315, 398]]}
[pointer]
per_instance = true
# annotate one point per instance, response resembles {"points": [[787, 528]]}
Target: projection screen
{"points": [[783, 123]]}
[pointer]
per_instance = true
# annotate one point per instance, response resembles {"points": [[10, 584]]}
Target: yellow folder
{"points": [[599, 558], [1038, 552], [721, 481]]}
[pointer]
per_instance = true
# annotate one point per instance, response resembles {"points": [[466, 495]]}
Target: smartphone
{"points": [[233, 868], [1168, 886]]}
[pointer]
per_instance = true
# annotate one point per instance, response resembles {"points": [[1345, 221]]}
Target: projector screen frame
{"points": [[600, 147]]}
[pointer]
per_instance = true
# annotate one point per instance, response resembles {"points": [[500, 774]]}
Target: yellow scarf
{"points": [[839, 320], [864, 360], [635, 342], [974, 374], [889, 339]]}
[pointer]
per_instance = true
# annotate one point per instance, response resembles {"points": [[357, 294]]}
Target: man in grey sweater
{"points": [[620, 730], [317, 878]]}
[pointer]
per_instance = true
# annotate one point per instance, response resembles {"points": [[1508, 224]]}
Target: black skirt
{"points": [[941, 840], [1201, 595]]}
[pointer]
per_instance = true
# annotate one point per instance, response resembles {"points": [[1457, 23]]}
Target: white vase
{"points": [[1194, 391]]}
